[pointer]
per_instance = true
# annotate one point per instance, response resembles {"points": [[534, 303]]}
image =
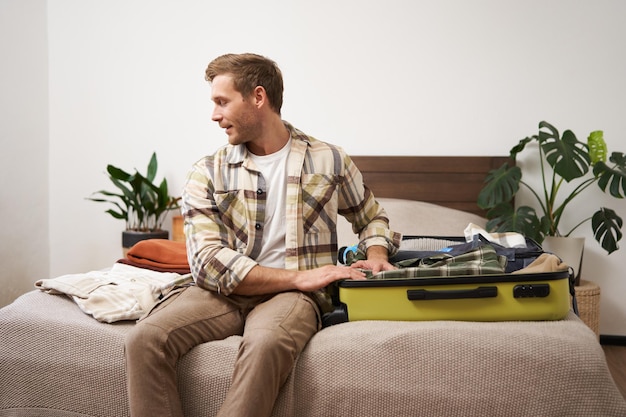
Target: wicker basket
{"points": [[588, 301]]}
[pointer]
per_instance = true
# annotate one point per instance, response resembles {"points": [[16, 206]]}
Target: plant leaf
{"points": [[567, 155], [501, 185], [606, 225], [597, 147], [118, 173], [614, 178], [118, 215], [152, 168], [105, 193], [521, 145], [524, 220]]}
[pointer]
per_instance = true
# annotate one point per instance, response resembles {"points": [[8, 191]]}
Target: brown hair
{"points": [[248, 72]]}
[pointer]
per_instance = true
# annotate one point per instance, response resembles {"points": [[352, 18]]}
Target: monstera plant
{"points": [[562, 158]]}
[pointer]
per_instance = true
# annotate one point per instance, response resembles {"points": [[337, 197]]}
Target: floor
{"points": [[616, 359]]}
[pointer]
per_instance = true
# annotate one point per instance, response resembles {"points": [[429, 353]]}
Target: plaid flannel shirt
{"points": [[482, 260], [223, 206]]}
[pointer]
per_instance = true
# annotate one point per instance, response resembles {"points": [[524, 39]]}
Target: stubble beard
{"points": [[247, 129]]}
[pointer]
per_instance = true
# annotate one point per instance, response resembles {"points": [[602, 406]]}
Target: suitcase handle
{"points": [[480, 292]]}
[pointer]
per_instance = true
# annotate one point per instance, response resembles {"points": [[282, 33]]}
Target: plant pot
{"points": [[569, 249], [130, 237]]}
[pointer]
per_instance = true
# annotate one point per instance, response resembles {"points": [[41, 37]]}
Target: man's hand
{"points": [[377, 260], [317, 278], [264, 280], [374, 265]]}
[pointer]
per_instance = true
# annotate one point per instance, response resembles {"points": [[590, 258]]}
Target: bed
{"points": [[56, 361]]}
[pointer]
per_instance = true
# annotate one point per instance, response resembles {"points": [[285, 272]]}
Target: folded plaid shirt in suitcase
{"points": [[482, 260]]}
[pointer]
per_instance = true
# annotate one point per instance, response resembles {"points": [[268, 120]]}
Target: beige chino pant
{"points": [[275, 329]]}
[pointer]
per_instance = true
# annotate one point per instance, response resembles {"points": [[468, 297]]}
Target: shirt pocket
{"points": [[235, 215], [319, 202]]}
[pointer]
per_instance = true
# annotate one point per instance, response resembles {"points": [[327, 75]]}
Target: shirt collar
{"points": [[238, 153]]}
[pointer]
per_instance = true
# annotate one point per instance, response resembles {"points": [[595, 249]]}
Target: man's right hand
{"points": [[263, 280], [317, 278]]}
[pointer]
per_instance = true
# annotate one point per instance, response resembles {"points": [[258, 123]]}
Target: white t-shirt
{"points": [[273, 167]]}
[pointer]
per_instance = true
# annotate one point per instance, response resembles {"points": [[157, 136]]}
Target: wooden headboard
{"points": [[450, 181]]}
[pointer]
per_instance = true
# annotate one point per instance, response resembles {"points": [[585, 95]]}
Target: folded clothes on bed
{"points": [[161, 255], [122, 292]]}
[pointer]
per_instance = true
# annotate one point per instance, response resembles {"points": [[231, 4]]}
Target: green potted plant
{"points": [[562, 159], [139, 201]]}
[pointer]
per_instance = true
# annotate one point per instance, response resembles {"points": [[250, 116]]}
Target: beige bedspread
{"points": [[57, 361]]}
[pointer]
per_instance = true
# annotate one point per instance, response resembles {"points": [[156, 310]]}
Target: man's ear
{"points": [[260, 96]]}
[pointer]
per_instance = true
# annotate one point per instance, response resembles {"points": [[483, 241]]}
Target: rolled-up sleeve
{"points": [[215, 265], [369, 219]]}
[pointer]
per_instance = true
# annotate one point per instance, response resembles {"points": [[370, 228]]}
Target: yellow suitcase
{"points": [[504, 297]]}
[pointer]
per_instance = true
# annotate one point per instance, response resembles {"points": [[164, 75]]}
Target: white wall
{"points": [[24, 237], [410, 77]]}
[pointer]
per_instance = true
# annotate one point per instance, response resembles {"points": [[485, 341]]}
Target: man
{"points": [[260, 223]]}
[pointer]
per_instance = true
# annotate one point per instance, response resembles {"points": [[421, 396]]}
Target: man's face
{"points": [[236, 114]]}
